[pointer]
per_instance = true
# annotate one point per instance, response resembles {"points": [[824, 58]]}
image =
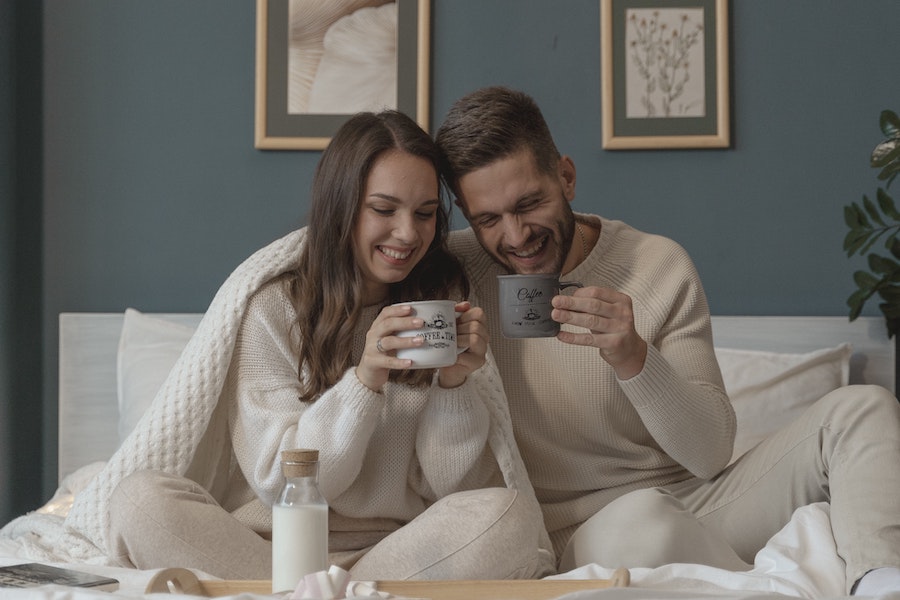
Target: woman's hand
{"points": [[472, 334], [379, 355]]}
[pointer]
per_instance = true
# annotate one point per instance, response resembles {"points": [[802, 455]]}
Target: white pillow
{"points": [[148, 349], [770, 389]]}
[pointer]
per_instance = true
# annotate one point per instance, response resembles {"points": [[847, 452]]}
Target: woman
{"points": [[314, 365]]}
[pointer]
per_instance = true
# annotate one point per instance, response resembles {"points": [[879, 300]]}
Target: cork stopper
{"points": [[300, 462]]}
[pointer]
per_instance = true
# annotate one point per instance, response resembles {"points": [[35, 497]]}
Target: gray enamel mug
{"points": [[525, 304]]}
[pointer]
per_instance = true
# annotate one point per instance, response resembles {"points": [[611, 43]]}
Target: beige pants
{"points": [[845, 449], [160, 520]]}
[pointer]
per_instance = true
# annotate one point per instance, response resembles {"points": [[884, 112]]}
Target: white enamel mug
{"points": [[439, 331]]}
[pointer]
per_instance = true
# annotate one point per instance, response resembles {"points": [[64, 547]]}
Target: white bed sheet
{"points": [[799, 561]]}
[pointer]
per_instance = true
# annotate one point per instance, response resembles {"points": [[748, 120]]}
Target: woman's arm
{"points": [[267, 416], [452, 442]]}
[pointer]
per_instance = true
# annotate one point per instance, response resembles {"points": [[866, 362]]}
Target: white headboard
{"points": [[88, 345], [88, 397]]}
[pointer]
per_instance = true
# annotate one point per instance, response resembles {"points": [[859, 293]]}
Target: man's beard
{"points": [[560, 236]]}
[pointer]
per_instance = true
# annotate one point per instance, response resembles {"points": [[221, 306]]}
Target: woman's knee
{"points": [[452, 537], [132, 491], [152, 495]]}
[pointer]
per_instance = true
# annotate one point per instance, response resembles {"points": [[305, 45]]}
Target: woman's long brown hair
{"points": [[326, 288]]}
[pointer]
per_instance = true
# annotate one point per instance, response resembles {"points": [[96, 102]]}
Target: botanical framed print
{"points": [[319, 62], [665, 79]]}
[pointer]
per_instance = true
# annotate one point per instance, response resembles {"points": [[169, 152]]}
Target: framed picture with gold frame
{"points": [[665, 74], [317, 63]]}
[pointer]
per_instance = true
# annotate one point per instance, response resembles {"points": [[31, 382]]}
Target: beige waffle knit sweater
{"points": [[587, 437]]}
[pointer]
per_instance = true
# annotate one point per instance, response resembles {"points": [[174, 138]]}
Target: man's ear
{"points": [[566, 171]]}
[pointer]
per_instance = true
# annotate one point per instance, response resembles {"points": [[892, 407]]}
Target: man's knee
{"points": [[871, 407], [646, 528]]}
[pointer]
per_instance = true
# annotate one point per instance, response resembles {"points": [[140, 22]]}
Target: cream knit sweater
{"points": [[587, 437], [381, 455]]}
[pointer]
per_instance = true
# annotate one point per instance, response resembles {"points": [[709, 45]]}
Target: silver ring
{"points": [[379, 347]]}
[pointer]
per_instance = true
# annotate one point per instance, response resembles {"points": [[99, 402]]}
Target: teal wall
{"points": [[153, 192], [21, 408]]}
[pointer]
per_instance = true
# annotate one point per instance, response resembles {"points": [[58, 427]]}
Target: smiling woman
{"points": [[396, 223]]}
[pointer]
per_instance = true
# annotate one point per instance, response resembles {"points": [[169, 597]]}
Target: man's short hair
{"points": [[490, 124]]}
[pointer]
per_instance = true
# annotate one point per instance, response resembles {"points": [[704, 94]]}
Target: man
{"points": [[628, 399]]}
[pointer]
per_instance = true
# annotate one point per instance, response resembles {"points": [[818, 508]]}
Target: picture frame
{"points": [[665, 74], [285, 79]]}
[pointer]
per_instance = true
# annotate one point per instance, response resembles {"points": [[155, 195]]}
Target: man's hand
{"points": [[609, 319]]}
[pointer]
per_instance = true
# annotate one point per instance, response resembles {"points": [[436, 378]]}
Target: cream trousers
{"points": [[845, 449], [160, 520]]}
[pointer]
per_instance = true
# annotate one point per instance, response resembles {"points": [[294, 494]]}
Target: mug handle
{"points": [[565, 284]]}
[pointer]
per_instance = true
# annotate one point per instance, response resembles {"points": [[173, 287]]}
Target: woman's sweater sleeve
{"points": [[267, 415], [451, 442]]}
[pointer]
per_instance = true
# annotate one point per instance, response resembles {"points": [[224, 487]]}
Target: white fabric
{"points": [[768, 390], [148, 349], [800, 561]]}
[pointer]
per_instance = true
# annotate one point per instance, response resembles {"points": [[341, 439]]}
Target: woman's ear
{"points": [[566, 170]]}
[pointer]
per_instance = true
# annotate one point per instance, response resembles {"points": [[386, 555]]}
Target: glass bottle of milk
{"points": [[299, 522]]}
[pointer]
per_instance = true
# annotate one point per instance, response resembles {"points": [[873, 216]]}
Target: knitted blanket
{"points": [[183, 433]]}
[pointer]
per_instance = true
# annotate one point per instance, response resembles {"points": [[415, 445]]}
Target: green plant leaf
{"points": [[869, 222], [882, 265], [854, 240], [851, 215], [885, 152], [891, 293], [889, 123], [856, 307], [886, 204], [874, 236], [861, 212], [889, 173], [865, 281], [872, 211], [856, 301]]}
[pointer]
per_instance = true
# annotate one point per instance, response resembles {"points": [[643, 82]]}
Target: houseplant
{"points": [[870, 222]]}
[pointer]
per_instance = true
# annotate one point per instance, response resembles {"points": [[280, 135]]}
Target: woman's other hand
{"points": [[472, 334]]}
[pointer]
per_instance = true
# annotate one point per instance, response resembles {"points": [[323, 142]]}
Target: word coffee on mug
{"points": [[525, 304], [439, 331]]}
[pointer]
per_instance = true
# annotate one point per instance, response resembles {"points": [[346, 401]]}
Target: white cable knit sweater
{"points": [[185, 430]]}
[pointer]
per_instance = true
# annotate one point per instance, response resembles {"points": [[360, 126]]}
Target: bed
{"points": [[110, 365]]}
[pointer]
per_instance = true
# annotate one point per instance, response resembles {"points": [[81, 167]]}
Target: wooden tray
{"points": [[183, 581]]}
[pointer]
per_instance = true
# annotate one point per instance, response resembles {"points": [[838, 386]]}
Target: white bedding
{"points": [[799, 561]]}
